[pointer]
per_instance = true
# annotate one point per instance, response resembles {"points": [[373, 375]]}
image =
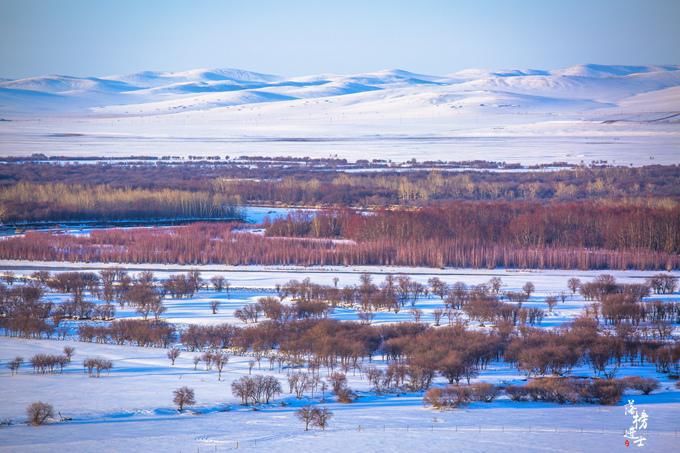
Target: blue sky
{"points": [[97, 37]]}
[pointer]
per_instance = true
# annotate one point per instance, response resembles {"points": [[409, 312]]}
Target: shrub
{"points": [[559, 390], [645, 385], [483, 391], [606, 391], [39, 412], [568, 390], [345, 395], [517, 392], [451, 396]]}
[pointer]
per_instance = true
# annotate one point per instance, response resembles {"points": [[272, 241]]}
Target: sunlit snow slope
{"points": [[625, 114]]}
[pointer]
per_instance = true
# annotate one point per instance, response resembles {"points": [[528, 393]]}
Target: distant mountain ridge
{"points": [[580, 87]]}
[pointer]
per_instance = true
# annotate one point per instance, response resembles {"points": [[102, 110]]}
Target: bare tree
{"points": [[437, 313], [563, 296], [249, 312], [322, 417], [551, 301], [15, 364], [218, 282], [365, 316], [183, 396], [39, 412], [95, 366], [220, 359], [207, 357], [438, 287], [256, 389], [214, 306], [306, 415], [173, 354], [324, 387], [69, 351], [573, 284], [299, 382], [417, 314], [314, 416], [496, 283], [197, 360], [528, 288], [9, 277]]}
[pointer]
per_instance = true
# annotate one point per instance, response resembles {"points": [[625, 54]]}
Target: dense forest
{"points": [[103, 191], [582, 217], [28, 202], [585, 235]]}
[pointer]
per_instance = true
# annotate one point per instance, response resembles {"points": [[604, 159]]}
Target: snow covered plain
{"points": [[622, 114], [131, 408]]}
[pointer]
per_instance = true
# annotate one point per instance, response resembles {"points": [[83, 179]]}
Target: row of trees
{"points": [[611, 226], [274, 181], [30, 202], [130, 331], [648, 243]]}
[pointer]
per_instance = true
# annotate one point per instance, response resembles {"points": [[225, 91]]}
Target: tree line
{"points": [[585, 235], [327, 184]]}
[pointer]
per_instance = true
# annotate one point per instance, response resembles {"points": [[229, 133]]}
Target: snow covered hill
{"points": [[634, 107], [168, 92]]}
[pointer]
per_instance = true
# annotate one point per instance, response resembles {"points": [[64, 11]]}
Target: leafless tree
{"points": [[256, 389], [563, 296], [214, 306], [69, 351], [173, 354], [437, 313], [218, 282], [306, 415], [207, 357], [95, 366], [321, 417], [438, 287], [365, 316], [220, 359], [551, 301], [9, 277], [39, 412], [299, 382], [573, 284], [184, 396], [249, 312], [197, 360], [15, 364], [528, 288], [496, 283]]}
